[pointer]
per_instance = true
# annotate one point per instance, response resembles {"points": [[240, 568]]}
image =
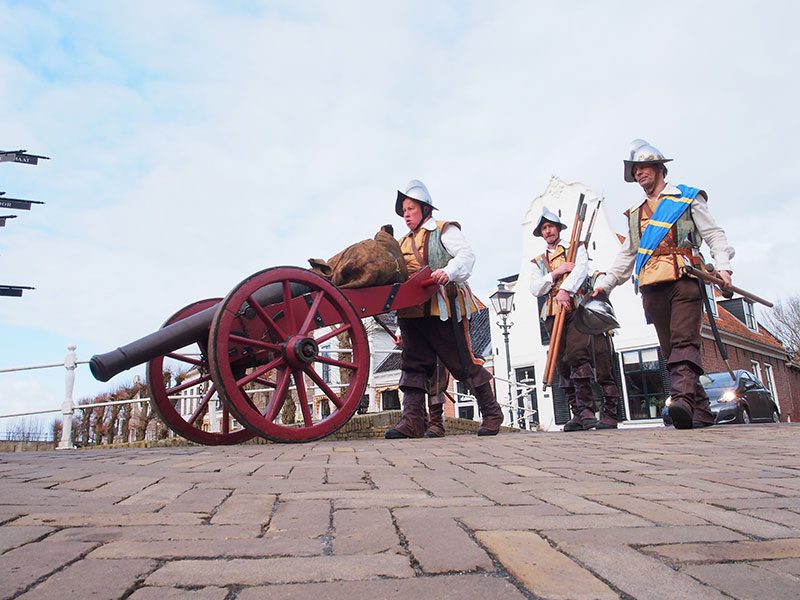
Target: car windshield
{"points": [[716, 380]]}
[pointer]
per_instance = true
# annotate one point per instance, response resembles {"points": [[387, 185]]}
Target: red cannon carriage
{"points": [[267, 331]]}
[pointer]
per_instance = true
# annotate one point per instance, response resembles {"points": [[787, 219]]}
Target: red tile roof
{"points": [[730, 324]]}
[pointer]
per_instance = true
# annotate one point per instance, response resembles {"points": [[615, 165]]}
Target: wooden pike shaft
{"points": [[711, 277], [558, 326]]}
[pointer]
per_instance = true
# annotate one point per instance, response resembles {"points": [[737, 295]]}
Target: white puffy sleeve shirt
{"points": [[713, 235], [542, 284]]}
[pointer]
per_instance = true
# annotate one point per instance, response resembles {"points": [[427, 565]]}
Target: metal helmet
{"points": [[595, 316], [642, 153], [415, 190], [547, 215]]}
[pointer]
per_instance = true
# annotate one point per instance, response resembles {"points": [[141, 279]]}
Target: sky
{"points": [[194, 143]]}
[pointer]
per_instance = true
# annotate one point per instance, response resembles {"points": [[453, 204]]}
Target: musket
{"points": [[558, 325], [590, 228], [709, 276]]}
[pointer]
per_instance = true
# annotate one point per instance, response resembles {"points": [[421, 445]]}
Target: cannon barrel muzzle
{"points": [[174, 337]]}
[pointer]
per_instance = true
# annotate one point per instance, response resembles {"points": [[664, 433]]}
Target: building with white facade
{"points": [[635, 342]]}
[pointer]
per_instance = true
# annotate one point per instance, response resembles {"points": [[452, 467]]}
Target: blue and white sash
{"points": [[666, 215]]}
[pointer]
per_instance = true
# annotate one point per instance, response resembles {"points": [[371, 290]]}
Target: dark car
{"points": [[743, 400]]}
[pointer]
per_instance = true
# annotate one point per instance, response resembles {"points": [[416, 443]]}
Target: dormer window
{"points": [[749, 315], [712, 300]]}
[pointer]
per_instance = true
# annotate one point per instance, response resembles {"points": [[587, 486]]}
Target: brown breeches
{"points": [[424, 339], [675, 308], [574, 353]]}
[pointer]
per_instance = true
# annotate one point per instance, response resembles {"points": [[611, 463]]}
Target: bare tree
{"points": [[26, 430], [784, 322]]}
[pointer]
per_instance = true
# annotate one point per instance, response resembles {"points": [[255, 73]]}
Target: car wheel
{"points": [[744, 416], [776, 416]]}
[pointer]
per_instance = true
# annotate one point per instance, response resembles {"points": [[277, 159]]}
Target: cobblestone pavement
{"points": [[648, 513]]}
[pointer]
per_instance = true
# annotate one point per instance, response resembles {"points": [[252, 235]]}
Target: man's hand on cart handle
{"points": [[440, 277]]}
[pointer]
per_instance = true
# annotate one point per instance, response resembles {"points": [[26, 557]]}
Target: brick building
{"points": [[753, 348]]}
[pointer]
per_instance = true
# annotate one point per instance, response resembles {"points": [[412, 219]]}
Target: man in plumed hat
{"points": [[665, 230], [559, 281]]}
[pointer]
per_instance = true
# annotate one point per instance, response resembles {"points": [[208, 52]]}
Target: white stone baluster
{"points": [[67, 407]]}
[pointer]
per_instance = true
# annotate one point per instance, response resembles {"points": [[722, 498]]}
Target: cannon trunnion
{"points": [[260, 346]]}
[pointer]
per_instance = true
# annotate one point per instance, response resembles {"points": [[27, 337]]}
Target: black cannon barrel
{"points": [[174, 337]]}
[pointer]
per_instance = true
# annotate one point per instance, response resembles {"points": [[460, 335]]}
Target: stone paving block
{"points": [[157, 533], [738, 521], [364, 531], [647, 509], [445, 587], [109, 519], [544, 572], [527, 471], [777, 515], [198, 500], [746, 582], [86, 484], [541, 522], [161, 492], [246, 572], [184, 549], [244, 508], [12, 537], [439, 545], [100, 579], [573, 503], [350, 476], [745, 550], [23, 566], [300, 519], [764, 502], [440, 485], [421, 501], [784, 566], [637, 575], [638, 536]]}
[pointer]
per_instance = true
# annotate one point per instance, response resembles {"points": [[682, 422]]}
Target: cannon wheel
{"points": [[189, 427], [282, 344]]}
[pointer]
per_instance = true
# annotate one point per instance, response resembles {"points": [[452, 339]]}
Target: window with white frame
{"points": [[769, 382], [749, 315], [756, 368], [712, 300]]}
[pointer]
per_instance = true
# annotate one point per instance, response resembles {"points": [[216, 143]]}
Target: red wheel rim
{"points": [[280, 346], [188, 426]]}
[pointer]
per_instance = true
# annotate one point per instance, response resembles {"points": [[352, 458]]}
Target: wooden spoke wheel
{"points": [[189, 424], [277, 326]]}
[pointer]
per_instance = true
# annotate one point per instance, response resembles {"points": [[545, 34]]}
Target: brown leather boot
{"points": [[491, 412], [689, 401], [435, 420], [610, 417], [584, 396], [574, 424], [412, 425]]}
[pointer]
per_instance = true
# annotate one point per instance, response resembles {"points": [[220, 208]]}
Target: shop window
{"points": [[645, 382]]}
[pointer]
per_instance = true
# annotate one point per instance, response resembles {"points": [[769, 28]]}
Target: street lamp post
{"points": [[503, 304]]}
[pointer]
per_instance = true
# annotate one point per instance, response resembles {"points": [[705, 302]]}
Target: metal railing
{"points": [[68, 406]]}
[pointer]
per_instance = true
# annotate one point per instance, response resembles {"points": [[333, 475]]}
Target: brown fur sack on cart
{"points": [[378, 261]]}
